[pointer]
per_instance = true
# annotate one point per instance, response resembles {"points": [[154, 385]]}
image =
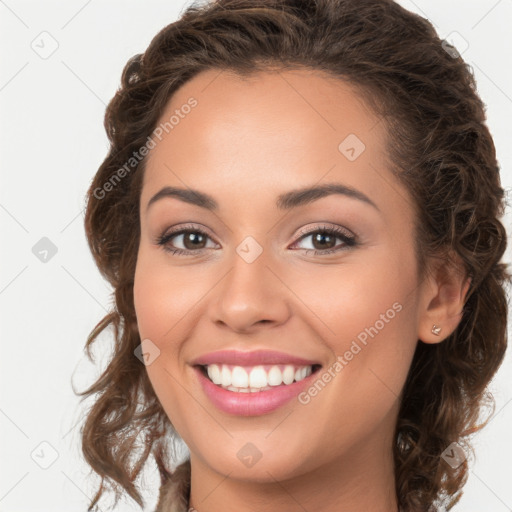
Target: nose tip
{"points": [[248, 299]]}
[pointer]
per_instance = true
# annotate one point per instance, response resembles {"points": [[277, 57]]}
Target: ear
{"points": [[443, 297]]}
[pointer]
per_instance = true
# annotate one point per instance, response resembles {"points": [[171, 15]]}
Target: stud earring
{"points": [[436, 330]]}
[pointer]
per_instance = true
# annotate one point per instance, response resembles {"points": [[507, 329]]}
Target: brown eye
{"points": [[191, 238], [194, 240], [324, 240]]}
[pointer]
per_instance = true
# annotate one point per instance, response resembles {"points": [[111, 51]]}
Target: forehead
{"points": [[298, 106], [279, 129]]}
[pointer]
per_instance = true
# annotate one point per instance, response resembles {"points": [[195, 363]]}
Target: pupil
{"points": [[321, 237], [191, 238]]}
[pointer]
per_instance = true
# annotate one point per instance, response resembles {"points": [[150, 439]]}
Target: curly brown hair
{"points": [[443, 153]]}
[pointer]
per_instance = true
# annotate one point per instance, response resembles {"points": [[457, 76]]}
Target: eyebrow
{"points": [[286, 201]]}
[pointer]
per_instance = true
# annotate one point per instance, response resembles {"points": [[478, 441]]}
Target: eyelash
{"points": [[349, 241]]}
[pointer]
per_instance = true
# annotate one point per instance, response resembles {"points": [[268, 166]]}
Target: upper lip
{"points": [[255, 357]]}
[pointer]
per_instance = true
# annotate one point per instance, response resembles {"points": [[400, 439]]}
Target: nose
{"points": [[250, 295]]}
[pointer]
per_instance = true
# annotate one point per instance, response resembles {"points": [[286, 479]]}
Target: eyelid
{"points": [[178, 228], [327, 225]]}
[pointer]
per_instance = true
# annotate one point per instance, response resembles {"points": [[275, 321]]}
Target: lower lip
{"points": [[251, 404]]}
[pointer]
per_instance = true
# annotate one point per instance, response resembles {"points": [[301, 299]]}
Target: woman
{"points": [[300, 216]]}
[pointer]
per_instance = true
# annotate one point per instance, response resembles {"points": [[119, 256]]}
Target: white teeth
{"points": [[275, 377], [288, 374], [239, 377], [256, 378], [214, 374], [225, 376]]}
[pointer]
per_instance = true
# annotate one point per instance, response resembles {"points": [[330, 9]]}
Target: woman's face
{"points": [[249, 278]]}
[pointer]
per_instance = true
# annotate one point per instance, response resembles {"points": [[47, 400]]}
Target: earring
{"points": [[436, 330]]}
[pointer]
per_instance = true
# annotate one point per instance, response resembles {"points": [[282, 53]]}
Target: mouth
{"points": [[253, 390], [256, 379], [252, 383]]}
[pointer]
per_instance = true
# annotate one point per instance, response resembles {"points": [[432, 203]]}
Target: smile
{"points": [[256, 378]]}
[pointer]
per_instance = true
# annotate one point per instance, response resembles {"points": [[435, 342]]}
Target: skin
{"points": [[246, 142]]}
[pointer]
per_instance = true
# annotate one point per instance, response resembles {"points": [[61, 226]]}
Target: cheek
{"points": [[352, 296], [370, 319], [369, 322], [160, 303], [163, 296]]}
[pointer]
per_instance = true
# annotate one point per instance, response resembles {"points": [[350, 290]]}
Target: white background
{"points": [[52, 142]]}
